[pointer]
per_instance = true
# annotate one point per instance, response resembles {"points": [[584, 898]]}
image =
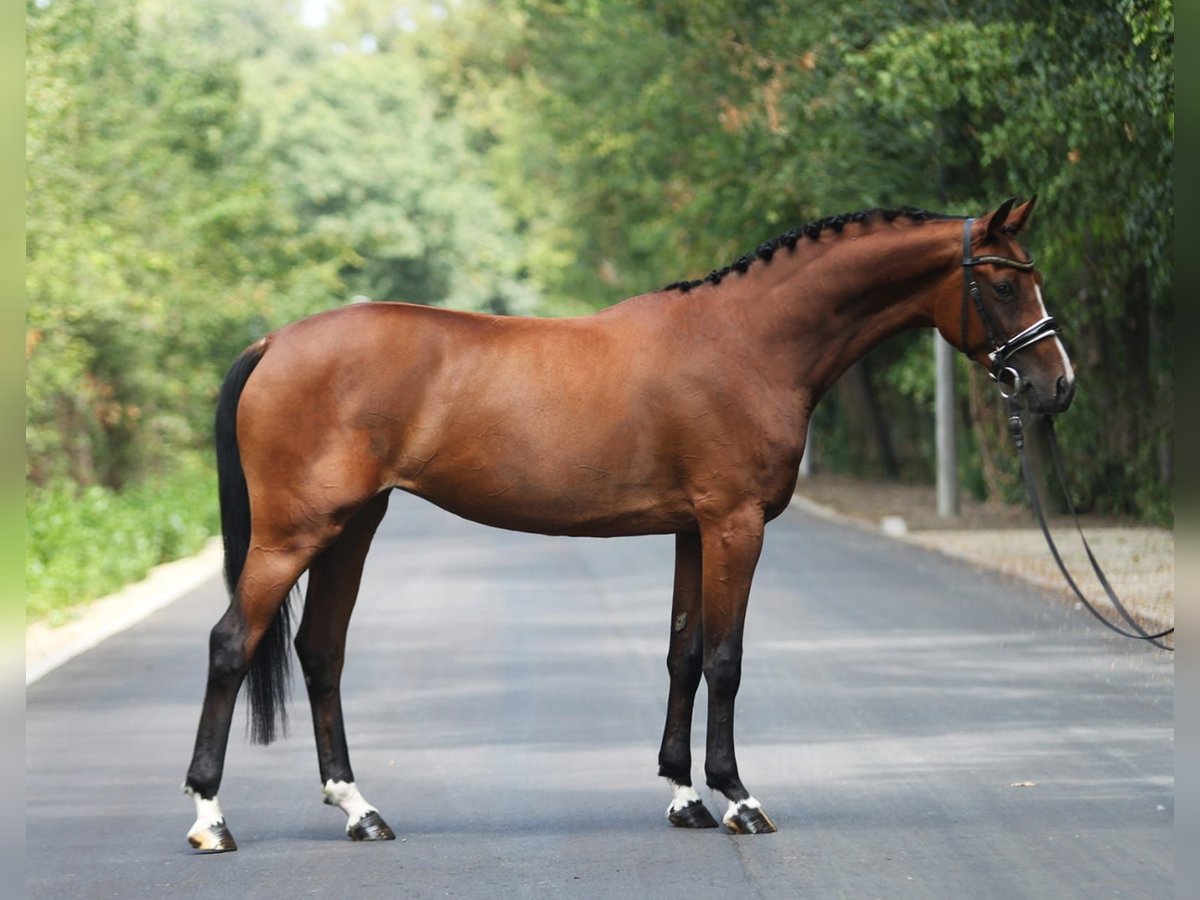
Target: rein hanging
{"points": [[1009, 381], [1015, 428]]}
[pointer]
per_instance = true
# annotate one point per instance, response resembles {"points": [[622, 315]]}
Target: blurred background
{"points": [[198, 174]]}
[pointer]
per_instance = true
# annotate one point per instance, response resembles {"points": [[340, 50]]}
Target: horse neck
{"points": [[825, 305]]}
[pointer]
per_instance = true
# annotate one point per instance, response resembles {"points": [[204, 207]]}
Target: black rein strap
{"points": [[1138, 633]]}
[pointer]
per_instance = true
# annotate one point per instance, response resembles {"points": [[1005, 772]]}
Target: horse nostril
{"points": [[1064, 390]]}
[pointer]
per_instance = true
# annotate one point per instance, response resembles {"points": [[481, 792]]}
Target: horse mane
{"points": [[810, 230]]}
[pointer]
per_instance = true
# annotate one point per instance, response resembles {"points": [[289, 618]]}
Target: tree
{"points": [[367, 164], [155, 246]]}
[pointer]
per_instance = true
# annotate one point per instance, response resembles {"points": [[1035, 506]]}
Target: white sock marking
{"points": [[345, 796], [682, 795], [736, 806], [208, 813], [208, 817]]}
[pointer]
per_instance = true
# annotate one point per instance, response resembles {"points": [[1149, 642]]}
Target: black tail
{"points": [[267, 680]]}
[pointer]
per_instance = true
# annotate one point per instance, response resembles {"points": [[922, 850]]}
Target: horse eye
{"points": [[1003, 289]]}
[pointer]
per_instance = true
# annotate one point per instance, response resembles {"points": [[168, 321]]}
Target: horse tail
{"points": [[267, 677]]}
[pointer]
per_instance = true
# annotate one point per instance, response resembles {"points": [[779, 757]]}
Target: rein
{"points": [[1009, 381], [1014, 427]]}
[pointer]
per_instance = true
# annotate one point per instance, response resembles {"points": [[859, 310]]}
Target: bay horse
{"points": [[683, 411]]}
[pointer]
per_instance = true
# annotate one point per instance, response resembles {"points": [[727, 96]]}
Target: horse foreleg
{"points": [[333, 582], [684, 661], [731, 546], [264, 585]]}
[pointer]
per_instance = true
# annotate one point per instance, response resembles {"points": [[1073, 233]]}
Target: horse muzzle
{"points": [[1034, 395]]}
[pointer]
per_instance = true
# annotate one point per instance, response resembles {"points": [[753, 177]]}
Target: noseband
{"points": [[999, 352]]}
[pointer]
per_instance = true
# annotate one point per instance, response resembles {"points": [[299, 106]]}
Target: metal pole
{"points": [[947, 429]]}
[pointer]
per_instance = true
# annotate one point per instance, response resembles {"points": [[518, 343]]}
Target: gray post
{"points": [[806, 461], [947, 429]]}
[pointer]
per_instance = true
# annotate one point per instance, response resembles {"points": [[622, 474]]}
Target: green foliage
{"points": [[367, 163], [85, 542], [155, 247]]}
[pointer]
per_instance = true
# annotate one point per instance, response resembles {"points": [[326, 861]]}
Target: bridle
{"points": [[999, 352], [1009, 381]]}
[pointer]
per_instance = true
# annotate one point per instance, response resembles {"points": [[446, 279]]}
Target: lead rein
{"points": [[1016, 429]]}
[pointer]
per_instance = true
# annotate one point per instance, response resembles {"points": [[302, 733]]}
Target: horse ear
{"points": [[995, 224], [1019, 216]]}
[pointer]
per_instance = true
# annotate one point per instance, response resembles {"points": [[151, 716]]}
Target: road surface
{"points": [[915, 728]]}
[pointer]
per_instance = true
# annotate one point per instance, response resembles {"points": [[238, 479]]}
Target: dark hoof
{"points": [[749, 820], [213, 839], [694, 815], [371, 827]]}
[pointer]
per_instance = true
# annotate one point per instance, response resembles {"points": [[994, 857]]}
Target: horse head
{"points": [[1000, 320]]}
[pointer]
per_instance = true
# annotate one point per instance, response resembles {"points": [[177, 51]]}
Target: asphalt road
{"points": [[505, 696]]}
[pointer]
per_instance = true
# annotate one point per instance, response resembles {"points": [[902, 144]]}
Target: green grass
{"points": [[84, 543]]}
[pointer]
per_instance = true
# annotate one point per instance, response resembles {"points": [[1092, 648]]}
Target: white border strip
{"points": [[47, 647]]}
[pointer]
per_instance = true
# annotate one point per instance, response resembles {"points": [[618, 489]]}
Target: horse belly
{"points": [[530, 513], [547, 483]]}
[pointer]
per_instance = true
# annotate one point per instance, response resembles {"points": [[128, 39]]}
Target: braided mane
{"points": [[812, 231]]}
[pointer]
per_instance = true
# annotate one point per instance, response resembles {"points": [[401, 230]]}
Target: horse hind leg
{"points": [[333, 582], [266, 580], [279, 547], [684, 661]]}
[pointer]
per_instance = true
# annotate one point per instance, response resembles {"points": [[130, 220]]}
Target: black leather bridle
{"points": [[1009, 381], [999, 352]]}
